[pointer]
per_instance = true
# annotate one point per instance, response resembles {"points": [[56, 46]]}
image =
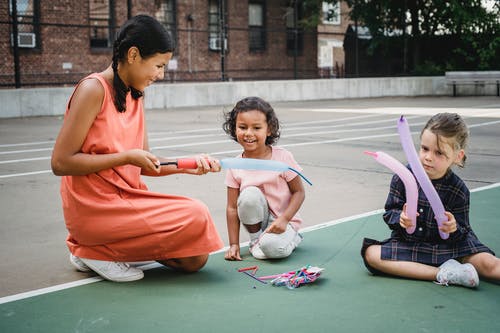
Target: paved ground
{"points": [[327, 138], [219, 299]]}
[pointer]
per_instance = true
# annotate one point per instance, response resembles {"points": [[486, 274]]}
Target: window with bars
{"points": [[331, 13], [27, 13], [101, 25], [216, 17], [256, 26], [294, 34], [166, 15]]}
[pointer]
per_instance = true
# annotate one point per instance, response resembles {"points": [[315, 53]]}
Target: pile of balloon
{"points": [[295, 279], [409, 180]]}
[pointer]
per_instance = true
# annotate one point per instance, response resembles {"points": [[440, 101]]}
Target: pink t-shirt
{"points": [[273, 184]]}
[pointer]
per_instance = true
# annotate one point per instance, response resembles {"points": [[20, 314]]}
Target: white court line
{"points": [[205, 136], [487, 110], [360, 123], [24, 151], [82, 282], [229, 151], [335, 120], [47, 290], [285, 145], [421, 111], [26, 144], [357, 130], [26, 160], [484, 124], [155, 133], [185, 137], [25, 174]]}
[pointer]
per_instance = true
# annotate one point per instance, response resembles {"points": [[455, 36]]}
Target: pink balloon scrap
{"points": [[419, 172], [409, 181], [295, 279]]}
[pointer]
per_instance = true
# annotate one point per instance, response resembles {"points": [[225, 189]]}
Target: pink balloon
{"points": [[419, 172], [409, 181]]}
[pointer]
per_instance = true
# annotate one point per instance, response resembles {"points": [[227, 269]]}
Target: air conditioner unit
{"points": [[215, 44], [25, 40]]}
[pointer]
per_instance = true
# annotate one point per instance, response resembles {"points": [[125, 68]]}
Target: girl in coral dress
{"points": [[102, 151]]}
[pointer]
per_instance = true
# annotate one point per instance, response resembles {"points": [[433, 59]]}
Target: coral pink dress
{"points": [[111, 215]]}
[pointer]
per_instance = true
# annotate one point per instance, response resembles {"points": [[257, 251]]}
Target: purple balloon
{"points": [[409, 181], [419, 172]]}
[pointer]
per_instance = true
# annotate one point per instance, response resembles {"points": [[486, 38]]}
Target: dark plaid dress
{"points": [[425, 245]]}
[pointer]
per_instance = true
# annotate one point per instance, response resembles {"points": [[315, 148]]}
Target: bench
{"points": [[473, 78]]}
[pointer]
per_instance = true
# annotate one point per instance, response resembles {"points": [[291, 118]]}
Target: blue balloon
{"points": [[258, 164]]}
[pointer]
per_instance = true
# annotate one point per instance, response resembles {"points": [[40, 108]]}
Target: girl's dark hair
{"points": [[452, 127], [250, 104], [150, 38]]}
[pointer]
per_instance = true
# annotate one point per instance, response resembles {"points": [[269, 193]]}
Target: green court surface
{"points": [[346, 298]]}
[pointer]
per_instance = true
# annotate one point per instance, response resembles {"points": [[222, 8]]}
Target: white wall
{"points": [[52, 101]]}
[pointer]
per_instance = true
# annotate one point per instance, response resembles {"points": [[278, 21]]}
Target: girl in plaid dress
{"points": [[424, 255]]}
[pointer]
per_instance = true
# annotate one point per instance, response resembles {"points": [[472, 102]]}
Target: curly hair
{"points": [[250, 104], [150, 38]]}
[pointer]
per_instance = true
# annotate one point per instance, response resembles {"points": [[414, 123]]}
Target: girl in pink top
{"points": [[265, 202], [101, 152]]}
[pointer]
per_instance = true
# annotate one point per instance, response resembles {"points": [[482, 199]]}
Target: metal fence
{"points": [[65, 54]]}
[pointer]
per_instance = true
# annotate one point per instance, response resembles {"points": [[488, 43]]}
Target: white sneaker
{"points": [[113, 270], [453, 272], [78, 263], [276, 246], [255, 250]]}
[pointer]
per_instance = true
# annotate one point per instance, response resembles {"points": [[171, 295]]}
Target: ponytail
{"points": [[150, 38]]}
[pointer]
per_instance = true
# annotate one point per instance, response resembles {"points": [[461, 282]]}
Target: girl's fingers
{"points": [[215, 165]]}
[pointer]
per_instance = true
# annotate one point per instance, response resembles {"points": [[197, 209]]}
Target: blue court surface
{"points": [[346, 298]]}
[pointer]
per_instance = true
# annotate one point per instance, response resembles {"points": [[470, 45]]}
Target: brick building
{"points": [[331, 34], [60, 41]]}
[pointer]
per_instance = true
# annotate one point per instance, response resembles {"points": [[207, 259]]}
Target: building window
{"points": [[216, 22], [331, 13], [101, 23], [294, 34], [165, 14], [256, 28], [27, 12]]}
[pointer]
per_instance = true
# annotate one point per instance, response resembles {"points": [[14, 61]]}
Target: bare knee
{"points": [[188, 264], [486, 264], [194, 264], [372, 255]]}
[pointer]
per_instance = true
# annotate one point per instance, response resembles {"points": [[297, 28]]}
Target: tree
{"points": [[475, 29]]}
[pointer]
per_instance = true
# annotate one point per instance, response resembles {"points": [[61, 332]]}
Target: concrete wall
{"points": [[52, 101]]}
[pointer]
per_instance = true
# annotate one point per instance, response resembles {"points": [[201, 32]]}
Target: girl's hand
{"points": [[278, 226], [144, 160], [449, 226], [404, 220], [205, 164], [233, 253]]}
